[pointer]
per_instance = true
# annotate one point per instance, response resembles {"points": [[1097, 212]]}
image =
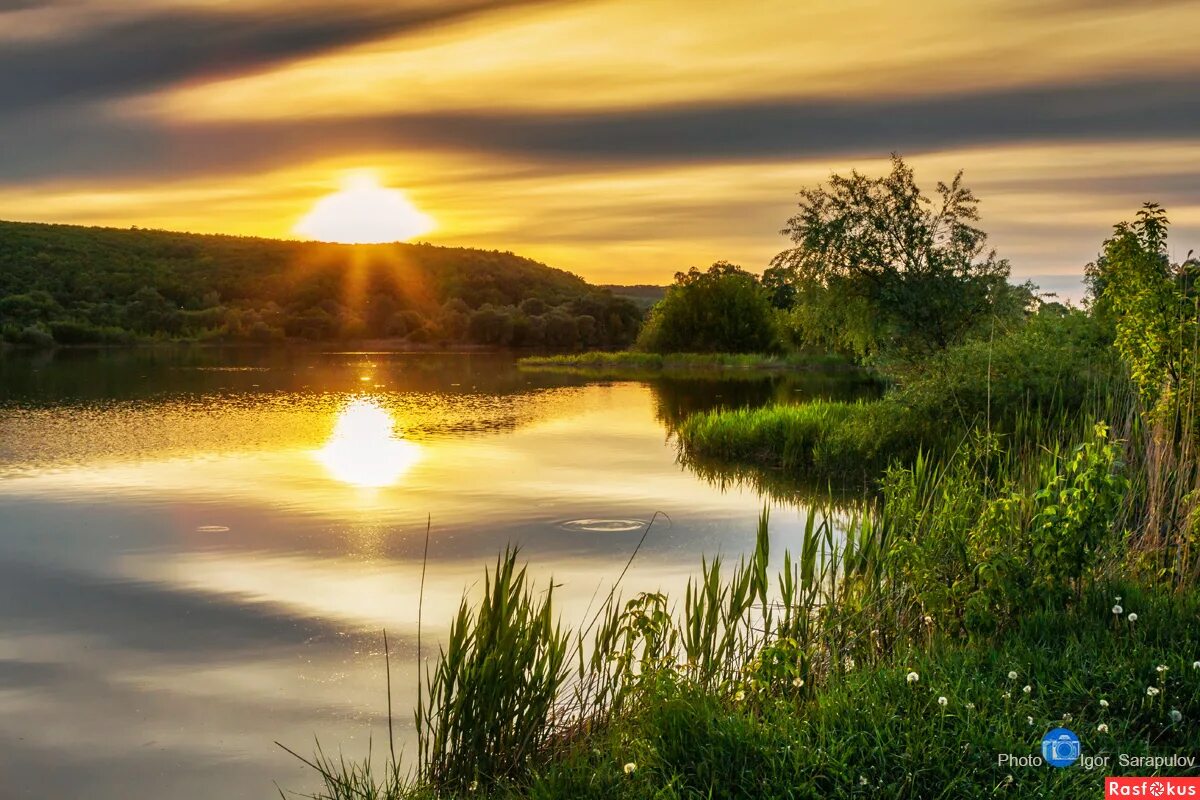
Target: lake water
{"points": [[199, 548]]}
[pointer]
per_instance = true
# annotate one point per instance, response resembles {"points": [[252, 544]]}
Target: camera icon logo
{"points": [[1060, 748]]}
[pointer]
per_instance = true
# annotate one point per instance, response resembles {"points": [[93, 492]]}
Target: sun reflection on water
{"points": [[364, 449]]}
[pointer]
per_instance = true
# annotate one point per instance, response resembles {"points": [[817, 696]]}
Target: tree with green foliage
{"points": [[880, 266], [722, 310], [1153, 305]]}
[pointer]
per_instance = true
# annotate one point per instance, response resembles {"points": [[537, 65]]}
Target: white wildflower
{"points": [[862, 780], [1008, 695], [1118, 610], [1104, 704], [1027, 689], [942, 701], [970, 706], [1132, 618], [1029, 720], [913, 677], [1160, 669], [797, 682], [1012, 675], [1151, 691], [1102, 728]]}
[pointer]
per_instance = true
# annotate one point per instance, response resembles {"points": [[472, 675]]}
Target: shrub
{"points": [[723, 310]]}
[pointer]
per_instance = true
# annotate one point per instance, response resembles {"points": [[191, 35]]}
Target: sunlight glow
{"points": [[364, 212], [364, 450]]}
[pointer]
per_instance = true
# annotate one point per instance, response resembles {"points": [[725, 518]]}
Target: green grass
{"points": [[723, 725], [815, 441], [685, 362], [870, 723]]}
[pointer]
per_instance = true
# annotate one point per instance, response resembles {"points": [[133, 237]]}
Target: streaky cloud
{"points": [[92, 143]]}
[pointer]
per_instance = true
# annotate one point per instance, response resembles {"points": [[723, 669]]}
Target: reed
{"points": [[490, 700]]}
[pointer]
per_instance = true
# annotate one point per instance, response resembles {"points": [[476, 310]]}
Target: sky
{"points": [[622, 140]]}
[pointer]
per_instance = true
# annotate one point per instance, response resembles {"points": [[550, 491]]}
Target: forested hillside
{"points": [[73, 285]]}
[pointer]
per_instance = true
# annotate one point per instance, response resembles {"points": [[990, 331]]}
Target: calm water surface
{"points": [[200, 547]]}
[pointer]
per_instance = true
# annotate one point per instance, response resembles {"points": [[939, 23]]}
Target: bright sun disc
{"points": [[363, 212]]}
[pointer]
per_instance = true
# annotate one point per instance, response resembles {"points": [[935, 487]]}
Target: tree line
{"points": [[72, 285]]}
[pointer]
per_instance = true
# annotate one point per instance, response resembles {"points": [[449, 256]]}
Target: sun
{"points": [[364, 212]]}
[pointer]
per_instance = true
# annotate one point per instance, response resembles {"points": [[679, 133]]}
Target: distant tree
{"points": [[780, 281], [561, 330], [912, 273], [490, 325], [724, 309], [533, 306]]}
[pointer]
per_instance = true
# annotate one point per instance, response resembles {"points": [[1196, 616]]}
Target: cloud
{"points": [[628, 139], [91, 143], [88, 53]]}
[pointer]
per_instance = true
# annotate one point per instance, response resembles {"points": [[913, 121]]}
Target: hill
{"points": [[644, 295], [71, 284]]}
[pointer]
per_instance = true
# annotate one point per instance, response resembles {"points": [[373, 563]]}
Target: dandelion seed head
{"points": [[1176, 715], [1102, 728], [1132, 617], [630, 768], [942, 701], [912, 677]]}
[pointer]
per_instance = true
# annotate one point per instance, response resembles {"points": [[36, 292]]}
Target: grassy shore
{"points": [[869, 732], [686, 362], [816, 440], [836, 709]]}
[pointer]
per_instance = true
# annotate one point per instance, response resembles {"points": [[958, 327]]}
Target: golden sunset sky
{"points": [[620, 139]]}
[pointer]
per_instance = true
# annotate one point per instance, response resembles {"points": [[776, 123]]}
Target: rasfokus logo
{"points": [[1151, 787]]}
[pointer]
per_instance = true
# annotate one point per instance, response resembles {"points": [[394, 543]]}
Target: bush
{"points": [[723, 310], [33, 336], [70, 332]]}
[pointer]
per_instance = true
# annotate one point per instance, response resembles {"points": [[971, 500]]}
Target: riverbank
{"points": [[687, 362], [814, 707], [944, 720]]}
